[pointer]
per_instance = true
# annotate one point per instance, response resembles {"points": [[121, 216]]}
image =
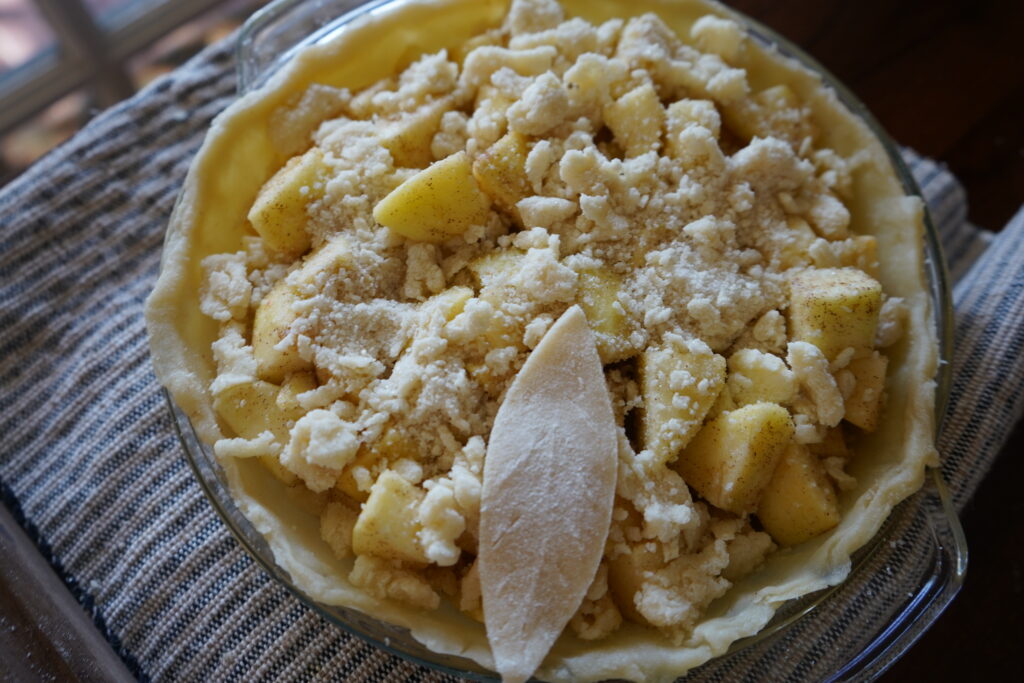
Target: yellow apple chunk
{"points": [[277, 311], [331, 257], [279, 212], [288, 398], [678, 385], [501, 173], [492, 273], [436, 204], [252, 408], [834, 309], [390, 448], [496, 266], [366, 457], [408, 137], [732, 458], [865, 403], [756, 377], [388, 524], [271, 324], [448, 303], [599, 298], [799, 502]]}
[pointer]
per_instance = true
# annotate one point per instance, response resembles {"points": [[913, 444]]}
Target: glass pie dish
{"points": [[896, 597]]}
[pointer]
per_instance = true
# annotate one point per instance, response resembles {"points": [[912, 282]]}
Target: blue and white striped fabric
{"points": [[92, 468]]}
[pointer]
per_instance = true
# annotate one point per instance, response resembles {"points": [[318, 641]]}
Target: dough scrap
{"points": [[549, 484]]}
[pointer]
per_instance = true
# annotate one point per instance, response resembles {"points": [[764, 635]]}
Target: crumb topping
{"points": [[618, 167]]}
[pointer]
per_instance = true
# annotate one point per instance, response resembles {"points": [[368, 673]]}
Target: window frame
{"points": [[86, 52]]}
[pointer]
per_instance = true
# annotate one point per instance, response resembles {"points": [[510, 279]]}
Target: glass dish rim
{"points": [[935, 270]]}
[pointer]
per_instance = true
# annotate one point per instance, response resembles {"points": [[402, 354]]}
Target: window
{"points": [[101, 49], [24, 35]]}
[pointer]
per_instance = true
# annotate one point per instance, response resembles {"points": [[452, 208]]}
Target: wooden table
{"points": [[946, 77]]}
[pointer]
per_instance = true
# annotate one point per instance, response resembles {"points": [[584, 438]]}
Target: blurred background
{"points": [[945, 77], [61, 61]]}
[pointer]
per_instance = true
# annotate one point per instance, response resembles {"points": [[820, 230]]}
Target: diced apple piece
{"points": [[251, 409], [436, 204], [388, 524], [391, 447], [448, 303], [799, 502], [627, 574], [732, 459], [496, 266], [599, 298], [331, 257], [277, 311], [722, 404], [864, 404], [366, 457], [755, 377], [492, 272], [298, 383], [679, 384], [501, 173], [409, 136], [834, 309], [279, 212], [272, 323], [503, 330], [636, 120]]}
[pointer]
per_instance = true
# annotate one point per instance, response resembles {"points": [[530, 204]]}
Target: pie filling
{"points": [[428, 231]]}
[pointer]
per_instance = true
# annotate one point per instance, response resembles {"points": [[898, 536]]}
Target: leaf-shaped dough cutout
{"points": [[549, 485]]}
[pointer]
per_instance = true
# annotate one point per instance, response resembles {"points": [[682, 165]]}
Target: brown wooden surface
{"points": [[44, 634], [946, 77]]}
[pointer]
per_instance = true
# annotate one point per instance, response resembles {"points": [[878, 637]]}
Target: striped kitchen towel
{"points": [[92, 468]]}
